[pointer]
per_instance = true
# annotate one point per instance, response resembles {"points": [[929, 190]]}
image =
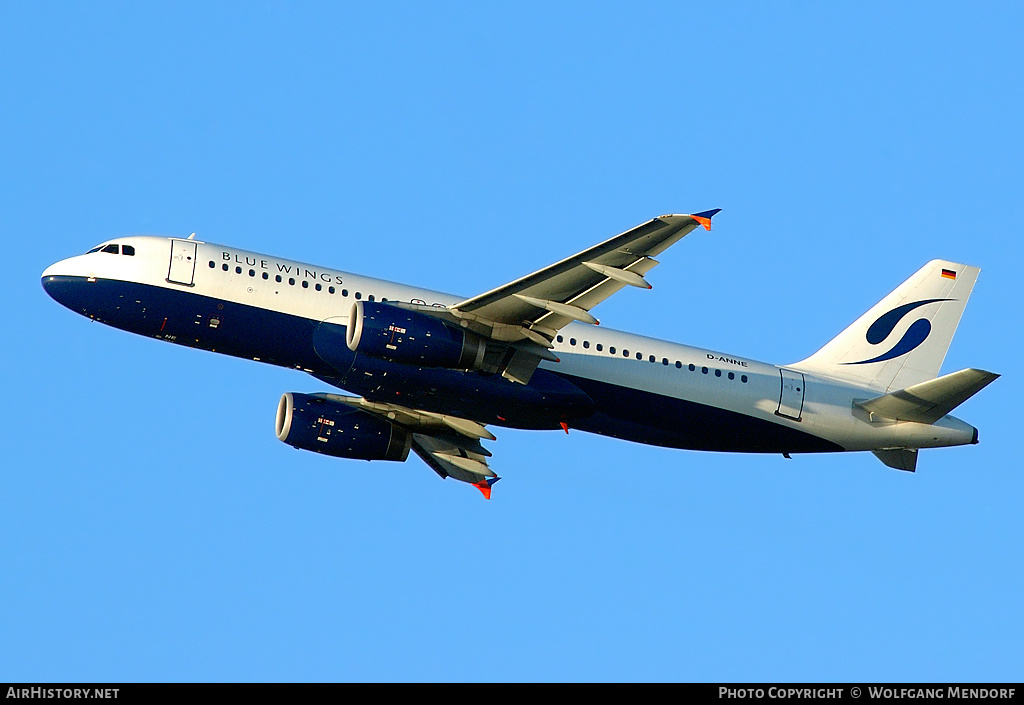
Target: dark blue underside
{"points": [[184, 317]]}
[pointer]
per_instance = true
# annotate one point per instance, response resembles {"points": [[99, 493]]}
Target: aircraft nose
{"points": [[65, 267], [55, 286], [58, 283], [49, 278], [51, 271]]}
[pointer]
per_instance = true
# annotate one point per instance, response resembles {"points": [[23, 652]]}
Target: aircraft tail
{"points": [[926, 402], [903, 339]]}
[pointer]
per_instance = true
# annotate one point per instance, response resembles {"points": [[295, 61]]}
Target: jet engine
{"points": [[414, 338], [312, 423]]}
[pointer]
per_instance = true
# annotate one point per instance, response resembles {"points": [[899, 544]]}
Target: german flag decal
{"points": [[949, 274]]}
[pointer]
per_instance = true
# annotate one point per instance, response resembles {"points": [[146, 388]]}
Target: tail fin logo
{"points": [[884, 325]]}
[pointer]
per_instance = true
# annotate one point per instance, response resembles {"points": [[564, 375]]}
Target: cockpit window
{"points": [[114, 249]]}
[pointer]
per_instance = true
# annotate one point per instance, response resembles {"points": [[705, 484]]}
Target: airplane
{"points": [[429, 372]]}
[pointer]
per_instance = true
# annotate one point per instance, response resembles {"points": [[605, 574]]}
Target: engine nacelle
{"points": [[413, 338], [324, 426]]}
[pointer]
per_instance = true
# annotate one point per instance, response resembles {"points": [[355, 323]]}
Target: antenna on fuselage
{"points": [[191, 237]]}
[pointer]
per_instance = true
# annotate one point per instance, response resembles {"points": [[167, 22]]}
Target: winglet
{"points": [[485, 486], [704, 217]]}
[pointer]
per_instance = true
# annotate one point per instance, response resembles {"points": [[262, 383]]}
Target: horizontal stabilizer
{"points": [[899, 458], [929, 401]]}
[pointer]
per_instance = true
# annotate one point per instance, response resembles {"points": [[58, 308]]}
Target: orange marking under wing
{"points": [[485, 489]]}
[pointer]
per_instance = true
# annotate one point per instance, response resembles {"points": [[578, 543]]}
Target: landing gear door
{"points": [[791, 398], [183, 262]]}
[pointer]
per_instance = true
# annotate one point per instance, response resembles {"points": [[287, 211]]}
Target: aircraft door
{"points": [[182, 269], [791, 398]]}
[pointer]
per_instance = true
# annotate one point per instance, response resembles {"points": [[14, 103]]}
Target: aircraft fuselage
{"points": [[281, 312]]}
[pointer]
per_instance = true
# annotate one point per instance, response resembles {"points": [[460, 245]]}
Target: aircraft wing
{"points": [[452, 457], [523, 317], [450, 445], [549, 299]]}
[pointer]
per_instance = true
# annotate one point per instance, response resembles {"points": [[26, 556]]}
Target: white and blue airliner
{"points": [[429, 372]]}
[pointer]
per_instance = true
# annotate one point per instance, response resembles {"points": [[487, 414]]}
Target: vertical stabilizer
{"points": [[903, 339]]}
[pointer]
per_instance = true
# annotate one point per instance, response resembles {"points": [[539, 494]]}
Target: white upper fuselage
{"points": [[814, 404]]}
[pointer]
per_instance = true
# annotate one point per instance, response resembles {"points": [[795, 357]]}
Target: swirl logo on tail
{"points": [[884, 325]]}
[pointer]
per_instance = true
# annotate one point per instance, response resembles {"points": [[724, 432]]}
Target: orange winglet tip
{"points": [[565, 427], [704, 217], [485, 486]]}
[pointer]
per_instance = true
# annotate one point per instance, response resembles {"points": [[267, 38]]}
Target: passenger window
{"points": [[611, 350], [625, 353], [344, 292], [664, 360], [128, 250], [559, 338], [600, 347], [639, 356], [704, 370], [743, 378], [586, 343], [692, 367], [572, 341], [305, 284], [238, 270], [252, 272], [359, 295], [652, 358], [266, 276], [732, 375], [331, 290], [213, 265], [224, 267], [718, 373], [278, 278], [370, 297], [679, 365], [291, 281]]}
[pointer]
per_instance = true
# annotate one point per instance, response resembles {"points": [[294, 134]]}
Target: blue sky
{"points": [[153, 528]]}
